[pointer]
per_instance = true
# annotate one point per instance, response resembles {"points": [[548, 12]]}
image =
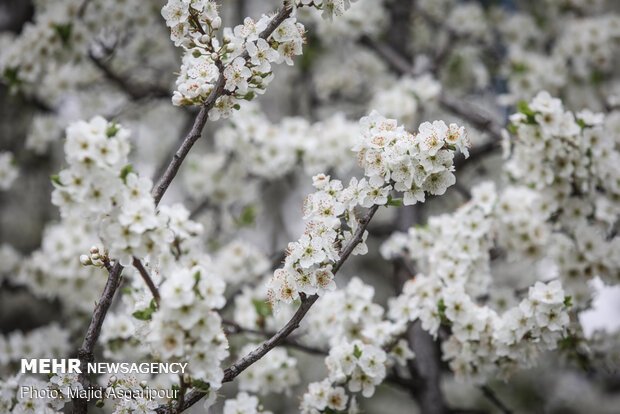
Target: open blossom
{"points": [[237, 75]]}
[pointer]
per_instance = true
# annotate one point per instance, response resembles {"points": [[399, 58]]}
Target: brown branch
{"points": [[235, 328], [137, 263], [86, 351], [306, 303]]}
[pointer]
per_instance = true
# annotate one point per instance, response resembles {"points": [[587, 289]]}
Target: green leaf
{"points": [[247, 217], [56, 179], [581, 123], [568, 301], [396, 202], [262, 308], [125, 172], [512, 128], [64, 31], [12, 76], [145, 315], [200, 386], [248, 96], [112, 130], [357, 352]]}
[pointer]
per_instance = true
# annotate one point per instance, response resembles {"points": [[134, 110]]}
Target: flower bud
{"points": [[94, 256], [214, 56], [85, 260], [143, 383], [94, 250], [112, 379], [216, 23]]}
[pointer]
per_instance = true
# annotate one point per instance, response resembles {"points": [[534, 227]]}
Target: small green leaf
{"points": [[56, 179], [247, 216], [568, 301], [262, 308], [112, 130], [512, 128], [396, 202], [357, 352], [125, 172], [64, 31], [200, 386], [581, 123], [248, 96], [12, 76], [144, 315]]}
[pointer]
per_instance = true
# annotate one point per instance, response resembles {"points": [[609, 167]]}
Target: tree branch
{"points": [[86, 351], [137, 263], [306, 303], [235, 328]]}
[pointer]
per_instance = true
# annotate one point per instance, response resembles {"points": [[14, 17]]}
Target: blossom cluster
{"points": [[59, 38], [240, 262], [453, 252], [404, 99], [243, 58], [244, 403], [358, 366], [54, 269], [415, 164], [100, 185], [272, 150], [572, 160], [252, 310], [350, 314], [388, 154], [38, 343], [276, 372], [12, 399], [187, 327]]}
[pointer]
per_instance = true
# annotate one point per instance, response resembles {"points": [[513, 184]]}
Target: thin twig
{"points": [[137, 263], [135, 92], [491, 396], [235, 328]]}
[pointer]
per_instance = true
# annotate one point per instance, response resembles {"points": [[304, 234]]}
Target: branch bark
{"points": [[137, 263], [86, 351]]}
